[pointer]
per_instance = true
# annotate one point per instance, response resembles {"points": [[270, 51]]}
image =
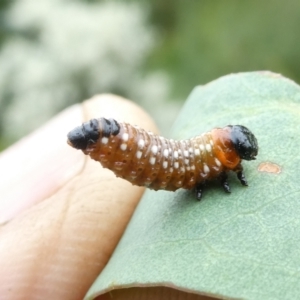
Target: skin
{"points": [[61, 214]]}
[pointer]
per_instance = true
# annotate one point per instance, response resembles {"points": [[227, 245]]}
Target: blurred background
{"points": [[54, 53]]}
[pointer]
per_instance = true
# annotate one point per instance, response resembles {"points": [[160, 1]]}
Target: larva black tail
{"points": [[89, 132]]}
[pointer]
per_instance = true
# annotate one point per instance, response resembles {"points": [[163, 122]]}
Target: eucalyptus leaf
{"points": [[240, 245]]}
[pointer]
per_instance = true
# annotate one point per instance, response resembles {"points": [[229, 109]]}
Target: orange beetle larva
{"points": [[146, 159]]}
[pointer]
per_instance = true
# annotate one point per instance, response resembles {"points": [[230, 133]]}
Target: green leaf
{"points": [[240, 245]]}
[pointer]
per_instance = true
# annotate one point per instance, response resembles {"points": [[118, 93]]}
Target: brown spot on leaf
{"points": [[269, 167]]}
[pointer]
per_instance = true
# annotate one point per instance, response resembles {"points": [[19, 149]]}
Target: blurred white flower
{"points": [[70, 50]]}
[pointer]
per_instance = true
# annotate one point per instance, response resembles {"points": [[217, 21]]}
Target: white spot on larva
{"points": [[201, 147], [208, 147], [192, 167], [197, 152], [161, 137], [170, 150], [205, 168], [218, 163], [179, 182], [182, 169], [179, 151], [176, 165], [191, 150], [150, 132], [165, 164], [211, 142], [104, 140], [176, 154], [186, 161], [123, 147], [166, 153], [171, 170], [186, 153], [152, 160], [141, 143], [163, 184], [125, 137], [139, 154], [154, 149], [188, 168], [133, 174], [118, 165]]}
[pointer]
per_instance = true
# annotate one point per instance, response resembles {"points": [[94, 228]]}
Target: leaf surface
{"points": [[240, 245]]}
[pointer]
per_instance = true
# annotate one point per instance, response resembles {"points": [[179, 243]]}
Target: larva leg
{"points": [[199, 190], [240, 175], [224, 182], [242, 178]]}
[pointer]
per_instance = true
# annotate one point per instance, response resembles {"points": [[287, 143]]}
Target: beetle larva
{"points": [[146, 159]]}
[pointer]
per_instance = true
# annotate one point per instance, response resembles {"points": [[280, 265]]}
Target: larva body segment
{"points": [[146, 159]]}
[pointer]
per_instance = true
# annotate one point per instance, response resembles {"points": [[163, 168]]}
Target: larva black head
{"points": [[244, 141], [84, 135]]}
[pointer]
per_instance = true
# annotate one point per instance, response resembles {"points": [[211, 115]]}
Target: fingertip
{"points": [[42, 162]]}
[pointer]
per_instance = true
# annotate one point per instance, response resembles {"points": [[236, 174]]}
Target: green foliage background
{"points": [[203, 40]]}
